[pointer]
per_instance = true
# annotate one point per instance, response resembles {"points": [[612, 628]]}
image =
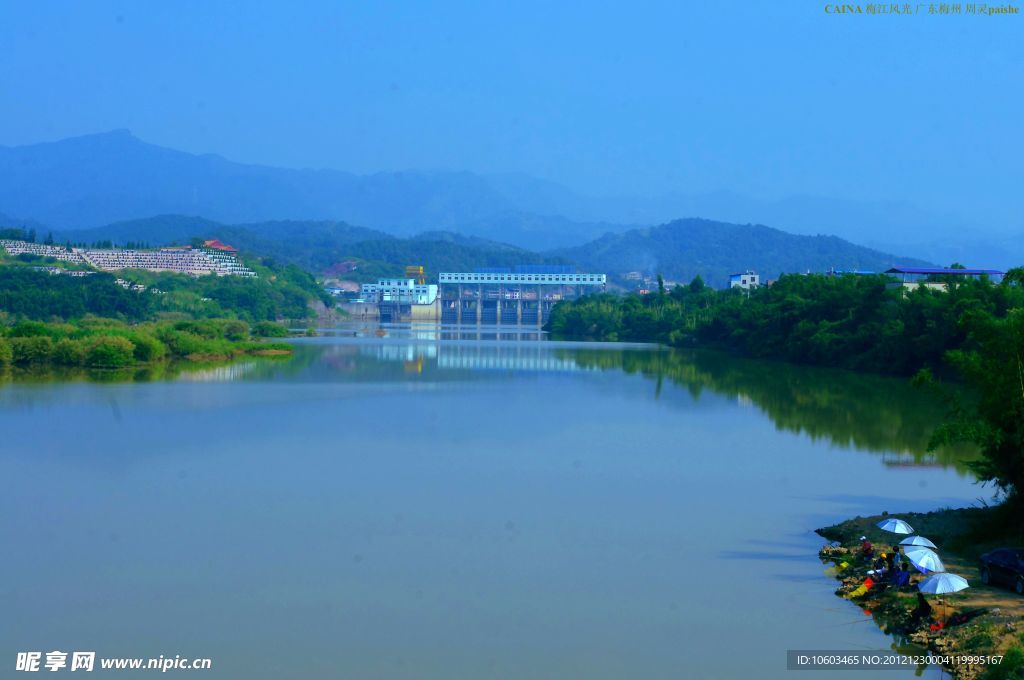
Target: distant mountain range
{"points": [[108, 187], [678, 250], [683, 249], [95, 180], [98, 179]]}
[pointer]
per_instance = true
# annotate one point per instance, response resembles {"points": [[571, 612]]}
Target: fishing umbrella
{"points": [[941, 583], [896, 526], [918, 540], [924, 559]]}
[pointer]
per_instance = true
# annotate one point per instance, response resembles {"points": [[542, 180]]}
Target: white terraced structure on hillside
{"points": [[185, 260], [42, 250]]}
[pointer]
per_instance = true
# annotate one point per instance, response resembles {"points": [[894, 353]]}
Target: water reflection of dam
{"points": [[532, 358], [398, 352], [508, 358]]}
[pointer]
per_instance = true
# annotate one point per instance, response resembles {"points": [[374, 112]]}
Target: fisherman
{"points": [[922, 611], [902, 575], [866, 550]]}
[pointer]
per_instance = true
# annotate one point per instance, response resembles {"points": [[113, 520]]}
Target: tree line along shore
{"points": [[970, 333], [963, 341]]}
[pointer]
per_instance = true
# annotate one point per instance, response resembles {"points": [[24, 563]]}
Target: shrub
{"points": [[269, 329], [109, 351], [69, 352], [6, 355], [99, 322], [30, 329], [1011, 667], [183, 344], [180, 343], [211, 329], [236, 331], [31, 350], [147, 348]]}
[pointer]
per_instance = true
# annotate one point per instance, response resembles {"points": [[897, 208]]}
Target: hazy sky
{"points": [[767, 99]]}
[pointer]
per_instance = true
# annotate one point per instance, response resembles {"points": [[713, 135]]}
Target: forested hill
{"points": [[683, 249], [302, 237], [318, 245], [678, 250]]}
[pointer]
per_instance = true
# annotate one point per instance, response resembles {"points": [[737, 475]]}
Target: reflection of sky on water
{"points": [[367, 510]]}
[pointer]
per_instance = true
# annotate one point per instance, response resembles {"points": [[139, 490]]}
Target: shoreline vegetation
{"points": [[980, 621], [97, 343], [968, 331], [43, 289], [66, 318], [856, 322]]}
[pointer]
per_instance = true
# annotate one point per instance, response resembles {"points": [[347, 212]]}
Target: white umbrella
{"points": [[919, 540], [942, 583], [896, 526], [924, 559]]}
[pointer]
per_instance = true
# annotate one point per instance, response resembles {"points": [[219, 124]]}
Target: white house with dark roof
{"points": [[747, 280]]}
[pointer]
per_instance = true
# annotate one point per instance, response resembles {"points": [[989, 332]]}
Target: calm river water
{"points": [[445, 505]]}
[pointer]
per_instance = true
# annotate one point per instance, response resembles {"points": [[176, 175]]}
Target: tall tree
{"points": [[995, 421]]}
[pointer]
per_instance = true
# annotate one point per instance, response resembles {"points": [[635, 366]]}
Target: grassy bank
{"points": [[982, 620], [99, 343]]}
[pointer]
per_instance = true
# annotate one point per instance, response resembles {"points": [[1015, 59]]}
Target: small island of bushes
{"points": [[96, 342]]}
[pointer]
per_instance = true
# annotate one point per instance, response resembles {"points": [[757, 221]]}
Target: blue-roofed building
{"points": [[747, 280], [938, 278]]}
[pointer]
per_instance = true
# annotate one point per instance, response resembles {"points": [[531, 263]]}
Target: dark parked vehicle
{"points": [[1004, 565]]}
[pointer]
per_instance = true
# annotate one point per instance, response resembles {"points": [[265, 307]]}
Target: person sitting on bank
{"points": [[923, 610], [902, 575], [866, 550]]}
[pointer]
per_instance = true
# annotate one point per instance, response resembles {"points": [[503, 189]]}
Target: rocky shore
{"points": [[981, 621]]}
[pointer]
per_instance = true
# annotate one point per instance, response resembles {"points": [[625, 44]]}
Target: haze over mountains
{"points": [[109, 178], [679, 250], [98, 179]]}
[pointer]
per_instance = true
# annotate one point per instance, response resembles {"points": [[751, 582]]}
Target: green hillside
{"points": [[686, 248], [678, 250], [317, 245]]}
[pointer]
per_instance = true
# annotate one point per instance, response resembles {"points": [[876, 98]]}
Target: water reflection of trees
{"points": [[868, 412], [885, 415], [197, 371]]}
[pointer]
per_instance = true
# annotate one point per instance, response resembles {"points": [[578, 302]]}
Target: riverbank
{"points": [[97, 343], [982, 620]]}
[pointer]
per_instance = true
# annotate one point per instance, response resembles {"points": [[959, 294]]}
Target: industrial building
{"points": [[399, 291], [512, 296], [937, 278], [391, 300]]}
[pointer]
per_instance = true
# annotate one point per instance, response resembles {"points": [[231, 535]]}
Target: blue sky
{"points": [[769, 99]]}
